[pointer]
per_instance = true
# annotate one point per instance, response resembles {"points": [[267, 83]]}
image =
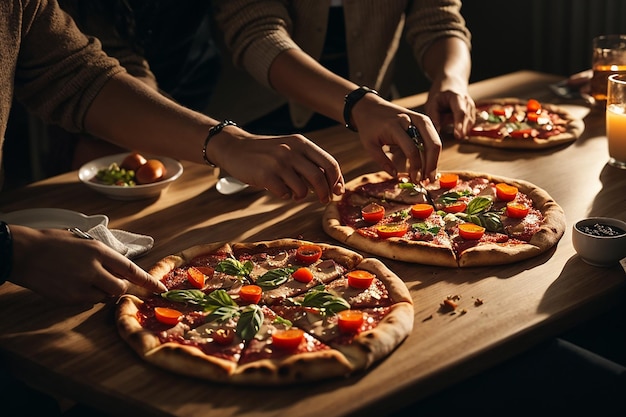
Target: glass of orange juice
{"points": [[616, 120], [608, 57]]}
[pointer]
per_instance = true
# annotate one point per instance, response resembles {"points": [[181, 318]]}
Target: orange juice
{"points": [[616, 134], [599, 81]]}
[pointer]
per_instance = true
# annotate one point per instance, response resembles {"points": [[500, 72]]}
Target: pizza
{"points": [[462, 219], [523, 124], [267, 313]]}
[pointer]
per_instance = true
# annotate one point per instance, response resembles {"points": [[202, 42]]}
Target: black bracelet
{"points": [[6, 252], [350, 100], [212, 132]]}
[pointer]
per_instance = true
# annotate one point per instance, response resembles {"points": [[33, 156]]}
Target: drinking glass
{"points": [[616, 120], [608, 57]]}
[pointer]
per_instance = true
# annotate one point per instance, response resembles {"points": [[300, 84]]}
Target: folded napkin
{"points": [[128, 244]]}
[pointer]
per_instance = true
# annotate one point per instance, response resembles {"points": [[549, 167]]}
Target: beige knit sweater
{"points": [[48, 64], [257, 31]]}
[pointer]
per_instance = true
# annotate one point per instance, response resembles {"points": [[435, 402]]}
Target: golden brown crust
{"points": [[189, 360], [575, 128], [129, 327], [310, 366], [375, 344]]}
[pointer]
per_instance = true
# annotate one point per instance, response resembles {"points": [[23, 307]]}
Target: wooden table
{"points": [[78, 354]]}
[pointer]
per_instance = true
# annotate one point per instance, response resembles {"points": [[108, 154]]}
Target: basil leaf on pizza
{"points": [[253, 323]]}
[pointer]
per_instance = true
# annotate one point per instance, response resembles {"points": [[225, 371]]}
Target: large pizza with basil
{"points": [[523, 124], [462, 219], [268, 313]]}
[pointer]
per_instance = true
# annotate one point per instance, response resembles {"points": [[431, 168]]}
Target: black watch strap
{"points": [[350, 100], [6, 252]]}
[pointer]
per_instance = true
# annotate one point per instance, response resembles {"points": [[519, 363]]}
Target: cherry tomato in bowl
{"points": [[152, 171]]}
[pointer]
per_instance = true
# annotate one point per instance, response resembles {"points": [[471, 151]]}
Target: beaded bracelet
{"points": [[212, 132], [350, 100], [6, 252]]}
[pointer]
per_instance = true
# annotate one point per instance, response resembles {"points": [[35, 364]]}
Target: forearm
{"points": [[447, 63], [296, 75], [134, 116]]}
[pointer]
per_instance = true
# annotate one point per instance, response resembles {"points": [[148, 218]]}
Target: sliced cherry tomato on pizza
{"points": [[532, 116], [350, 321], [196, 275], [471, 231], [524, 133], [360, 278], [456, 207], [224, 336], [288, 339], [498, 111], [448, 180], [506, 192], [308, 253], [392, 230], [517, 210], [373, 213], [167, 315], [302, 275], [250, 294], [421, 211], [533, 106]]}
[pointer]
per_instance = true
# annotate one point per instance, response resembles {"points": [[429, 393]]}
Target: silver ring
{"points": [[415, 135]]}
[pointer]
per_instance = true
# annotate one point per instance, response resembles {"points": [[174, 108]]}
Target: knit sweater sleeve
{"points": [[430, 20], [59, 70], [255, 33]]}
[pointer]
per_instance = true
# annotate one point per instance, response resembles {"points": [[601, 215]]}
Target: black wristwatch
{"points": [[6, 252], [350, 100]]}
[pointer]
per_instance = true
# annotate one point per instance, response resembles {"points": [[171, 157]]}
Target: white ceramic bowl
{"points": [[599, 250], [87, 172]]}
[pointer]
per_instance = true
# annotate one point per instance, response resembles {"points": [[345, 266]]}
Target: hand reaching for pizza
{"points": [[288, 166], [62, 267], [460, 105], [381, 123]]}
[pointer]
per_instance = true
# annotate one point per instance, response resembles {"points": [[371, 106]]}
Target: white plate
{"points": [[53, 218], [86, 173]]}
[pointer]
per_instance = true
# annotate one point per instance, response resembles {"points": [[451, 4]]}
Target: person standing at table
{"points": [[64, 77], [318, 54]]}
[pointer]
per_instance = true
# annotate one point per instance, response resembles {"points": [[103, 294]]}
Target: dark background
{"points": [[552, 36]]}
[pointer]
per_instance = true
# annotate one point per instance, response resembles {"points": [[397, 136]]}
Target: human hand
{"points": [[288, 166], [381, 123], [62, 267], [461, 105]]}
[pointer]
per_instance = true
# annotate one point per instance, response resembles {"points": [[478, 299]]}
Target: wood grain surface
{"points": [[77, 353]]}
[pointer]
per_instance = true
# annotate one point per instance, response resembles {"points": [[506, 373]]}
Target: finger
{"points": [[379, 156], [331, 169], [432, 148], [297, 187], [123, 267]]}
